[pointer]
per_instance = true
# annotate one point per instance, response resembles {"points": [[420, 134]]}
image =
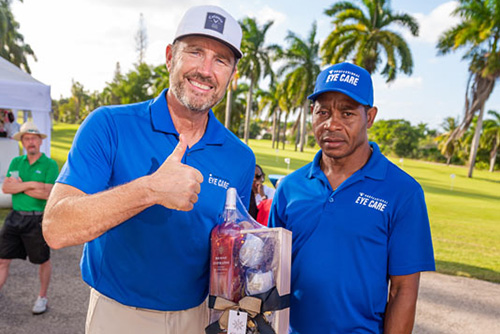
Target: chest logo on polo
{"points": [[38, 171], [218, 181], [371, 202]]}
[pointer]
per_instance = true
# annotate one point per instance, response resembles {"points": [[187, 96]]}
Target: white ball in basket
{"points": [[252, 251], [258, 282]]}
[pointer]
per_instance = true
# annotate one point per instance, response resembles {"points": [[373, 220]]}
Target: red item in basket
{"points": [[225, 271]]}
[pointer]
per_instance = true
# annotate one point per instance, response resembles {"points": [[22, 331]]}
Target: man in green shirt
{"points": [[29, 179]]}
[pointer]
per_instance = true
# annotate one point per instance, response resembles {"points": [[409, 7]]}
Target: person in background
{"points": [[30, 179], [11, 126], [358, 221], [3, 130], [262, 197], [260, 190], [144, 185]]}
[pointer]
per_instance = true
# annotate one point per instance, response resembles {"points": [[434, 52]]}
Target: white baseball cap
{"points": [[214, 22]]}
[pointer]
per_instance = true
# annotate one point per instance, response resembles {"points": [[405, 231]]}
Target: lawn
{"points": [[464, 213]]}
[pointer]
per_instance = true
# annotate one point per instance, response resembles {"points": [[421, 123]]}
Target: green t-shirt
{"points": [[43, 170]]}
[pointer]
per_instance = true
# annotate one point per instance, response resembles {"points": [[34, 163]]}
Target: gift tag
{"points": [[237, 322]]}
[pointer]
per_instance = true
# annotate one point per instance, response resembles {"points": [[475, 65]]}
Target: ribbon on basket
{"points": [[254, 305]]}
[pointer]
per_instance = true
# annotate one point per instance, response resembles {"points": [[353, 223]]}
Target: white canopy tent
{"points": [[20, 91]]}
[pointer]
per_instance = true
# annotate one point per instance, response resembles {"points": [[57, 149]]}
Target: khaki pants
{"points": [[106, 316]]}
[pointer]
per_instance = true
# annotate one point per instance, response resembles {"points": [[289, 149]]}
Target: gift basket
{"points": [[249, 274]]}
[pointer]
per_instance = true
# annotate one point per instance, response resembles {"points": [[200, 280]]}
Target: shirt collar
{"points": [[161, 120], [25, 158], [375, 168]]}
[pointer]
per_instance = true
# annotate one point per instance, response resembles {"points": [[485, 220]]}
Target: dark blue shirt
{"points": [[347, 242], [158, 259]]}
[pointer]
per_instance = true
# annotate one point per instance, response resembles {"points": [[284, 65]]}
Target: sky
{"points": [[82, 40]]}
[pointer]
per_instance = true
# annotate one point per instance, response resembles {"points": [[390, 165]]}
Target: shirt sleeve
{"points": [[12, 166], [52, 173], [269, 192], [90, 160], [410, 242], [276, 214], [246, 188]]}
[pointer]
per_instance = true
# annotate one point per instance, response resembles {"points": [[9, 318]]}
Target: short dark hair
{"points": [[256, 165]]}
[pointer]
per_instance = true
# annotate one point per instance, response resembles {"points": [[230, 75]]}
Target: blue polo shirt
{"points": [[347, 242], [158, 259]]}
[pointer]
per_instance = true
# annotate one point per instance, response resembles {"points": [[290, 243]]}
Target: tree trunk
{"points": [[77, 111], [475, 141], [229, 105], [248, 111], [297, 138], [278, 128], [274, 127], [303, 123], [448, 161], [493, 156], [284, 129], [477, 93]]}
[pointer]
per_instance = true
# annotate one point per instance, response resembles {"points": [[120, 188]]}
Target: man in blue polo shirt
{"points": [[144, 184], [358, 221]]}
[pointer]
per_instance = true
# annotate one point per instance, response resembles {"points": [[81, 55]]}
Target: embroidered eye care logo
{"points": [[217, 181], [215, 22], [343, 76], [371, 202]]}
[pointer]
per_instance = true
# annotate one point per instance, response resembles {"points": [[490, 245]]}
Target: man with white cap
{"points": [[358, 221], [30, 178], [144, 185]]}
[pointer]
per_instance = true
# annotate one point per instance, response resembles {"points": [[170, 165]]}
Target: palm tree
{"points": [[233, 85], [256, 62], [238, 106], [12, 45], [447, 147], [111, 92], [479, 33], [301, 69], [362, 34], [286, 105], [80, 96], [270, 99], [491, 136], [161, 78]]}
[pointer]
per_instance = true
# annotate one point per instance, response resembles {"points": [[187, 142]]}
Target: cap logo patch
{"points": [[215, 22], [343, 76]]}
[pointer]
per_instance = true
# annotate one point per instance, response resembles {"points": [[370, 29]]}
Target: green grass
{"points": [[62, 138], [465, 218], [464, 213], [3, 214]]}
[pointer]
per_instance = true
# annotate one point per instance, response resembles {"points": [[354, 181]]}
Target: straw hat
{"points": [[28, 127]]}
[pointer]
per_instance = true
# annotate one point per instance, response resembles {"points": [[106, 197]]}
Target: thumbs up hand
{"points": [[176, 185]]}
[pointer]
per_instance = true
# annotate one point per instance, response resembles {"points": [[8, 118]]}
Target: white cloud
{"points": [[83, 40], [266, 14], [434, 24], [401, 83], [151, 4]]}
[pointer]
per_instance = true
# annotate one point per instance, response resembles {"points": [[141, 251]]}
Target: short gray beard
{"points": [[178, 91]]}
